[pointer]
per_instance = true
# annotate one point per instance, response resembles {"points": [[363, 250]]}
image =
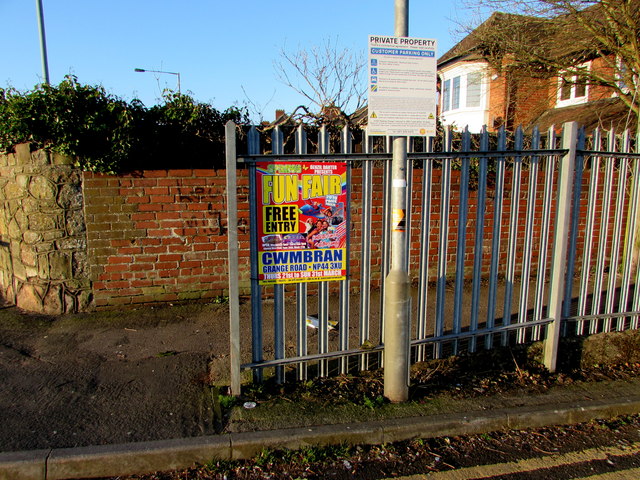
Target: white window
{"points": [[474, 89], [462, 91], [464, 95], [446, 96], [623, 76], [455, 93], [572, 90]]}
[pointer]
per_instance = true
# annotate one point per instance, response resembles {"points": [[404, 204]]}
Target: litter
{"points": [[313, 322]]}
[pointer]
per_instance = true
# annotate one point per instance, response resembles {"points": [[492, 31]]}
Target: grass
{"points": [[463, 383], [304, 456], [283, 413]]}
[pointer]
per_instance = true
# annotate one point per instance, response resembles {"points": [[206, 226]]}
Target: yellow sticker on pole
{"points": [[398, 219]]}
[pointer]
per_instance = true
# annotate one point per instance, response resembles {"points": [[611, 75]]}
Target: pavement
{"points": [[606, 400], [562, 404]]}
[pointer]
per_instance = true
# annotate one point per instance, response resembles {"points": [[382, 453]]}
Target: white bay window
{"points": [[464, 96]]}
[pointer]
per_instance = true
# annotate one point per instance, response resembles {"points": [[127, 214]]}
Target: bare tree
{"points": [[559, 37], [256, 110], [329, 78]]}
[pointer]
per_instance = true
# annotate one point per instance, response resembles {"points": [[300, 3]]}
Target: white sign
{"points": [[402, 86]]}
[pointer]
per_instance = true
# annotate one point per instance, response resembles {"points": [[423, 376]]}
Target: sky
{"points": [[223, 50]]}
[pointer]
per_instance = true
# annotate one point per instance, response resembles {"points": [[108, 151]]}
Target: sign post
{"points": [[402, 102]]}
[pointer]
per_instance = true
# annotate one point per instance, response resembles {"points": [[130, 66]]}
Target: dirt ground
{"points": [[109, 377], [138, 375]]}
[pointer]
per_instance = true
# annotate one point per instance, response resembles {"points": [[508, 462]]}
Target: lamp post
{"points": [[397, 309], [142, 70], [43, 42]]}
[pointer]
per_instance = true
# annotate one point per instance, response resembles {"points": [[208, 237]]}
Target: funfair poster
{"points": [[302, 222]]}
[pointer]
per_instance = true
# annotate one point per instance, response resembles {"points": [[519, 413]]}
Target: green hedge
{"points": [[110, 135]]}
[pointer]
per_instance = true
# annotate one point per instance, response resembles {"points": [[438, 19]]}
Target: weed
{"points": [[226, 401], [221, 466], [221, 404], [220, 300], [304, 456], [267, 457], [373, 403], [322, 454], [308, 455]]}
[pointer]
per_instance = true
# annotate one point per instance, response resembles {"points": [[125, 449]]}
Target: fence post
{"points": [[560, 243], [232, 261]]}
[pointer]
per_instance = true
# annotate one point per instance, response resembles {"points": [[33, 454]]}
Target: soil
{"points": [[108, 377], [117, 377], [500, 371]]}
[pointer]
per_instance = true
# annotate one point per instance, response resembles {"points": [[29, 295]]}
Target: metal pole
{"points": [[43, 42], [397, 300], [232, 231]]}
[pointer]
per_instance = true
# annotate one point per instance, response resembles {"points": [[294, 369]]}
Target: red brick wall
{"points": [[497, 101], [598, 92], [160, 236], [157, 237], [532, 99]]}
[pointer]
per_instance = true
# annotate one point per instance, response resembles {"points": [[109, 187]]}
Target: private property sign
{"points": [[402, 86], [302, 227]]}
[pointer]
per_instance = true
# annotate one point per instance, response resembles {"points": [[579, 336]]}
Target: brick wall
{"points": [[75, 240], [604, 67], [496, 100], [534, 96], [159, 236]]}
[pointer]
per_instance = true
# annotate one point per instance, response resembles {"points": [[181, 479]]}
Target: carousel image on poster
{"points": [[302, 221]]}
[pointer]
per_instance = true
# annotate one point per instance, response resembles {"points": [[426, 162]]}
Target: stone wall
{"points": [[43, 259], [161, 235]]}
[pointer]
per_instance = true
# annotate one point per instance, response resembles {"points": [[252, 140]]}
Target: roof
{"points": [[489, 38], [554, 38]]}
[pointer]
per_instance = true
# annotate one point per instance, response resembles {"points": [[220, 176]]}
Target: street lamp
{"points": [[142, 70], [43, 42]]}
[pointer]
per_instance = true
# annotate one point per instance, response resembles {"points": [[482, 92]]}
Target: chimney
{"points": [[279, 113]]}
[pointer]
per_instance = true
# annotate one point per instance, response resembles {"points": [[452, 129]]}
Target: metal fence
{"points": [[534, 237]]}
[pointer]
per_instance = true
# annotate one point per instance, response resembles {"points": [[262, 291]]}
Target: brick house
{"points": [[481, 83]]}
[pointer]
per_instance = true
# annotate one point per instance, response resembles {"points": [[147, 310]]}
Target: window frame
{"points": [[455, 89], [446, 95], [621, 67], [573, 85]]}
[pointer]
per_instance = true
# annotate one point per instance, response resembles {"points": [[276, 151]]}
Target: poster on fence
{"points": [[302, 221]]}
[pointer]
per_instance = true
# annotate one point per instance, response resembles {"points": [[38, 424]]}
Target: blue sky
{"points": [[223, 50]]}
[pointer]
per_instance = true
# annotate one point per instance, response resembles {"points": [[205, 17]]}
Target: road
{"points": [[604, 463]]}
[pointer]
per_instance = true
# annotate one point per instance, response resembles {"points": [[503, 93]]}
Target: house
{"points": [[507, 73]]}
